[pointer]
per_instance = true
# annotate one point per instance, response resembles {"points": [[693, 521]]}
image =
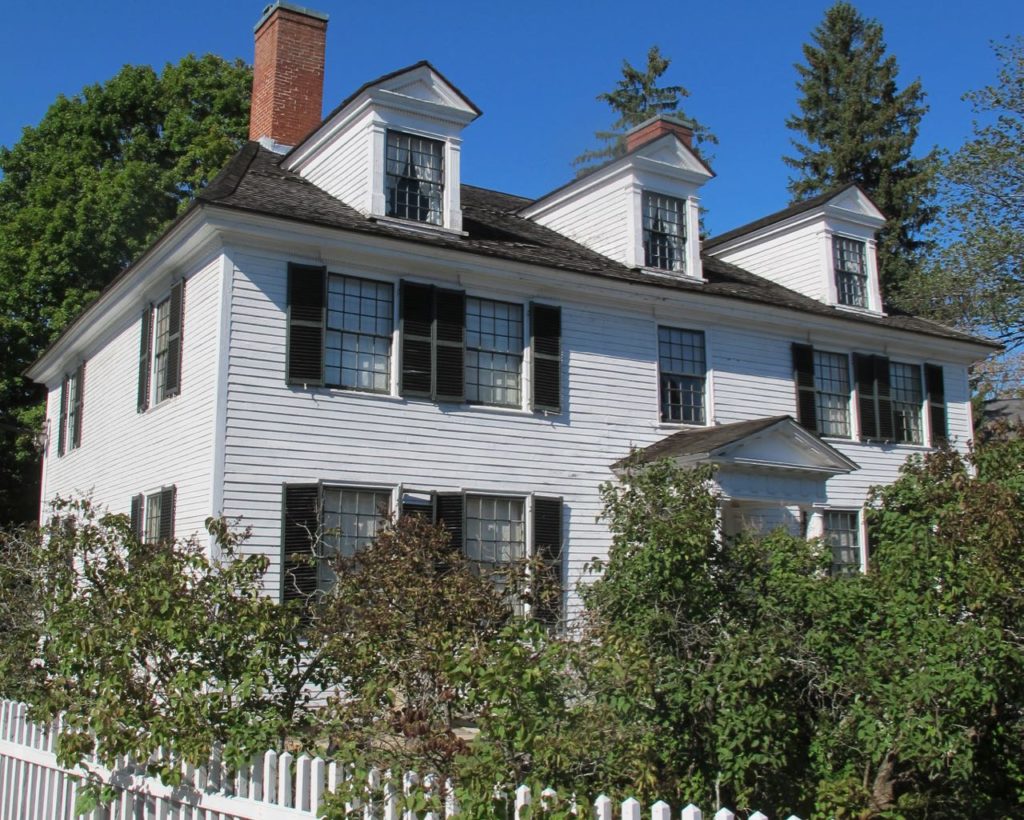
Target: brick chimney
{"points": [[288, 74], [658, 126]]}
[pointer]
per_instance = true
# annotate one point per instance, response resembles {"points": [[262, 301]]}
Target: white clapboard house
{"points": [[339, 328]]}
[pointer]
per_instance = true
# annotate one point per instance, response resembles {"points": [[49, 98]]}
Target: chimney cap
{"points": [[284, 4]]}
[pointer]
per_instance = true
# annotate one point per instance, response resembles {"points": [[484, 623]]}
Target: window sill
{"points": [[683, 425], [674, 275], [858, 311], [418, 227]]}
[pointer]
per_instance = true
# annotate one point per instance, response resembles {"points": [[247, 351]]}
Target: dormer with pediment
{"points": [[823, 247], [642, 209], [392, 149]]}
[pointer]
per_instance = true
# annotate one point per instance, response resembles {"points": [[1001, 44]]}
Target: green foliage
{"points": [[638, 97], [975, 279], [82, 194], [855, 125]]}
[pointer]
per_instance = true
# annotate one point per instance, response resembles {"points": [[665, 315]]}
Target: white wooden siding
{"points": [[343, 167], [795, 258], [598, 219], [124, 452]]}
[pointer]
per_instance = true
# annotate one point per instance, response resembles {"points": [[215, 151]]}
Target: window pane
{"points": [[907, 398], [494, 352], [414, 184], [350, 519], [832, 383], [682, 367], [842, 534], [850, 259], [664, 229], [357, 347]]}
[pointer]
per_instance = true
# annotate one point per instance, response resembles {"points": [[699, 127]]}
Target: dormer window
{"points": [[664, 222], [414, 181], [850, 260]]}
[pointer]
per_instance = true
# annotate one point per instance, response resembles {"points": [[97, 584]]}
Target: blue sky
{"points": [[535, 69]]}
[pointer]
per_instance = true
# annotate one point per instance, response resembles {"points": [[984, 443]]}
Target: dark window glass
{"points": [[907, 398], [664, 224], [850, 257], [682, 369], [414, 185]]}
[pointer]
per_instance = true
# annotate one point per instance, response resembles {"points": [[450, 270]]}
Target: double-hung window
{"points": [[351, 519], [160, 349], [152, 515], [850, 261], [494, 352], [414, 178], [832, 388], [69, 429], [664, 231], [682, 370], [357, 348], [907, 400], [842, 535]]}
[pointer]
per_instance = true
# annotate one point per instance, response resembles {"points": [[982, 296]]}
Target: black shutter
{"points": [[883, 396], [176, 319], [307, 285], [546, 345], [300, 523], [935, 385], [547, 547], [450, 507], [136, 515], [168, 497], [76, 431], [63, 425], [145, 358], [806, 397], [417, 315], [449, 345], [864, 375]]}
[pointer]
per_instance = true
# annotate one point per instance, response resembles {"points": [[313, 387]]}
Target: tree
{"points": [[81, 195], [855, 125], [976, 278], [638, 97]]}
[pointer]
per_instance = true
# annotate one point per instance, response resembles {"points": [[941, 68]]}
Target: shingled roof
{"points": [[253, 181]]}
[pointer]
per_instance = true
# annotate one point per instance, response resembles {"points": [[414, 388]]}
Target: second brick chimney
{"points": [[288, 74], [651, 129]]}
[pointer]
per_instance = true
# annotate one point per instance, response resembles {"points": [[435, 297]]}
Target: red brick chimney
{"points": [[658, 126], [288, 73]]}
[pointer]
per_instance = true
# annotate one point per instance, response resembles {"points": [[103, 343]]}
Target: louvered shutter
{"points": [[300, 523], [145, 358], [548, 607], [864, 374], [307, 285], [417, 314], [168, 497], [136, 515], [806, 397], [935, 385], [450, 512], [883, 399], [76, 430], [449, 345], [63, 425], [546, 346], [175, 326]]}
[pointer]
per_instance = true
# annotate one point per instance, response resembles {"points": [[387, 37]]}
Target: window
{"points": [[160, 349], [907, 398], [358, 343], [494, 352], [832, 389], [850, 261], [842, 534], [351, 519], [152, 515], [69, 428], [664, 226], [414, 185], [495, 533], [682, 370]]}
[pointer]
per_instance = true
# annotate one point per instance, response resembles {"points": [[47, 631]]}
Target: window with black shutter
{"points": [[168, 499], [822, 390], [449, 345], [451, 509], [803, 376], [145, 358], [300, 524], [937, 416], [170, 379], [305, 345], [62, 426], [152, 516], [138, 504], [77, 404], [546, 345], [433, 342], [548, 607], [874, 397]]}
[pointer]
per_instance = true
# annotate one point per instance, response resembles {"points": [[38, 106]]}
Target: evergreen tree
{"points": [[637, 97], [855, 125]]}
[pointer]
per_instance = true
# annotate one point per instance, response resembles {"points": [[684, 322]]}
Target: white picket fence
{"points": [[33, 786]]}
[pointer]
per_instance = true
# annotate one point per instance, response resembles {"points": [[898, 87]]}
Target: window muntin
{"points": [[494, 352], [350, 520], [842, 534], [154, 508], [495, 535], [161, 346], [357, 346], [850, 261], [682, 368], [832, 387], [907, 399], [414, 178], [664, 231]]}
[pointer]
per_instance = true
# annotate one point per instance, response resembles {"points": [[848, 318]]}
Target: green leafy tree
{"points": [[976, 278], [81, 195], [856, 125], [638, 97]]}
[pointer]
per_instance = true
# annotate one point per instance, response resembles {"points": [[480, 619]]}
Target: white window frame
{"points": [[391, 387], [706, 392], [858, 530], [850, 415]]}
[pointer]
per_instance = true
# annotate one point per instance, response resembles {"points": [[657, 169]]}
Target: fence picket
{"points": [[631, 809], [691, 812], [725, 814]]}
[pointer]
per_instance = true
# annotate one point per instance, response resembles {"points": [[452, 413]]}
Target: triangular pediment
{"points": [[855, 204], [672, 153], [425, 84], [783, 446]]}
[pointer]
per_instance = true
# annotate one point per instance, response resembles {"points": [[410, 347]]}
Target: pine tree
{"points": [[855, 125], [637, 97]]}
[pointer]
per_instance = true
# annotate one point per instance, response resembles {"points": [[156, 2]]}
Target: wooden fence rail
{"points": [[33, 786]]}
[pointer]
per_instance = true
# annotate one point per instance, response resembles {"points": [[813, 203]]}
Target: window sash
{"points": [[907, 399], [842, 535], [154, 505], [682, 366], [494, 352], [664, 232], [850, 262], [161, 345], [360, 325], [350, 519], [414, 171], [832, 388]]}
